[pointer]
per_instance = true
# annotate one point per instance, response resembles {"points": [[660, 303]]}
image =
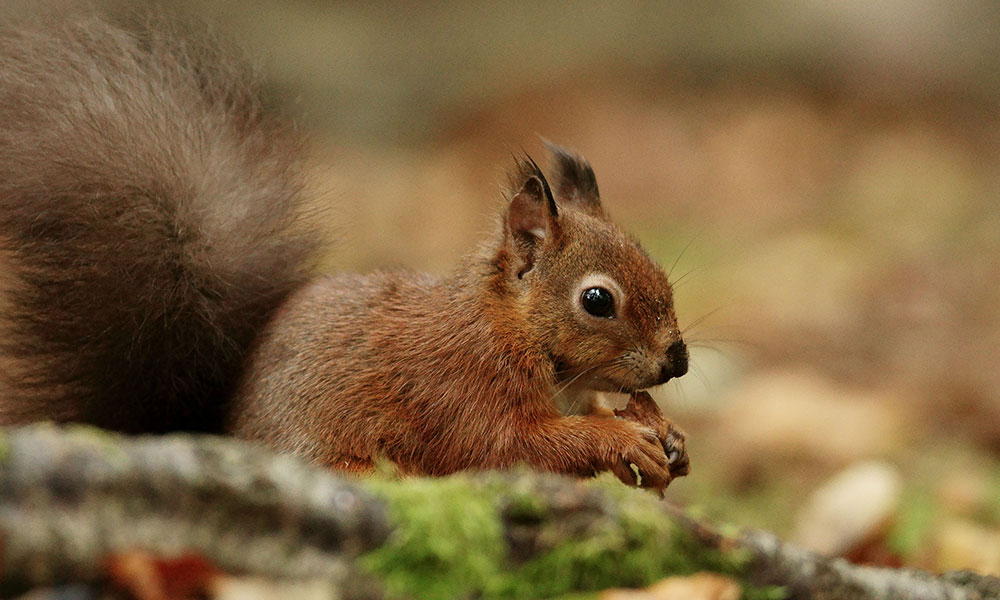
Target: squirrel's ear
{"points": [[575, 184], [531, 216]]}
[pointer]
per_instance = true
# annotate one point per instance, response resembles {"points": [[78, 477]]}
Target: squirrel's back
{"points": [[150, 223]]}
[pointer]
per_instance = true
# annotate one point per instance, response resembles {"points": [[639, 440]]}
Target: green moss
{"points": [[524, 505], [450, 541]]}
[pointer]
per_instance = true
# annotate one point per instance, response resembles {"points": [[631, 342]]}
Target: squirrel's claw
{"points": [[673, 445]]}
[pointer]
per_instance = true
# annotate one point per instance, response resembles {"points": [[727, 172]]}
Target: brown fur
{"points": [[150, 231], [440, 375], [148, 222]]}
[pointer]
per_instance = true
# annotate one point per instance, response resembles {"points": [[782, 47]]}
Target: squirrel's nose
{"points": [[677, 362]]}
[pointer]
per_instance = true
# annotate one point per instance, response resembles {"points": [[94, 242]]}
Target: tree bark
{"points": [[71, 497]]}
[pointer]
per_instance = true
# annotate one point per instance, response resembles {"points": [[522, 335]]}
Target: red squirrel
{"points": [[156, 274]]}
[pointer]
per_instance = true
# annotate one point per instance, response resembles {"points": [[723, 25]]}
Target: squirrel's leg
{"points": [[585, 445]]}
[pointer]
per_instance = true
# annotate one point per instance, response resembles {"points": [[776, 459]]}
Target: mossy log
{"points": [[71, 497]]}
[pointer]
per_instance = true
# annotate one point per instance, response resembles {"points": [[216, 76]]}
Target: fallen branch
{"points": [[804, 574], [70, 498]]}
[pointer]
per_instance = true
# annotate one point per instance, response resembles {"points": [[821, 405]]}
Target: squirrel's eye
{"points": [[598, 302]]}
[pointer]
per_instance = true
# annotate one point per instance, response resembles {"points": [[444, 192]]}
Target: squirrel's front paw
{"points": [[643, 410], [639, 447]]}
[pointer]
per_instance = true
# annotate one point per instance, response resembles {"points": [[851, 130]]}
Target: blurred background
{"points": [[826, 177]]}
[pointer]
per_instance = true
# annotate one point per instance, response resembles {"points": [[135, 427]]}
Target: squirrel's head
{"points": [[601, 307]]}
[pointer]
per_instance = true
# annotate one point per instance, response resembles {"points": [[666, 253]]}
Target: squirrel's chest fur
{"points": [[391, 348]]}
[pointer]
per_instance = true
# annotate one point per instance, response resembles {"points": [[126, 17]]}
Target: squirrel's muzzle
{"points": [[677, 362]]}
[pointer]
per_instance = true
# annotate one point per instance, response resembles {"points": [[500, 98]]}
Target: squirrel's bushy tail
{"points": [[150, 223]]}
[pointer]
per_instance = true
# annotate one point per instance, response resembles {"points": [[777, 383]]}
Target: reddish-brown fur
{"points": [[151, 235], [440, 375]]}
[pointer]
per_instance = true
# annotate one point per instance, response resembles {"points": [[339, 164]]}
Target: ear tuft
{"points": [[526, 215], [525, 168], [531, 218], [574, 179], [549, 198]]}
